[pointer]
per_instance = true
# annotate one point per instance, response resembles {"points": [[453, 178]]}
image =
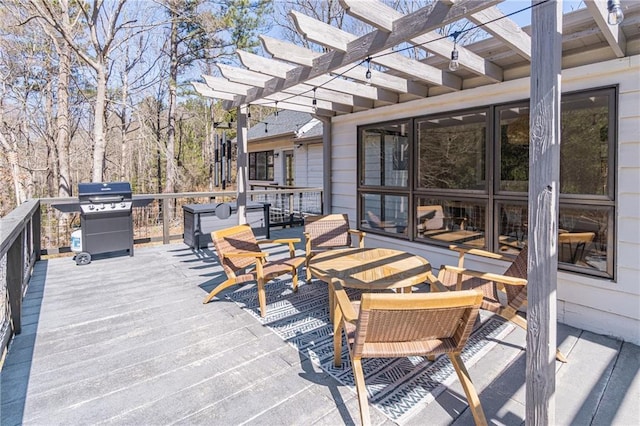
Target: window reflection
{"points": [[453, 222], [514, 149], [385, 154], [582, 234], [385, 213], [451, 151]]}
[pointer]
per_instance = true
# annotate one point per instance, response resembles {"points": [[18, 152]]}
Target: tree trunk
{"points": [[99, 140], [63, 140], [171, 124]]}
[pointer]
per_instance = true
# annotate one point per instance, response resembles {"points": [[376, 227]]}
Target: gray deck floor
{"points": [[127, 340]]}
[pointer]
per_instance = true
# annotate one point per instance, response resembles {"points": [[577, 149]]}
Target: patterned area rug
{"points": [[397, 386]]}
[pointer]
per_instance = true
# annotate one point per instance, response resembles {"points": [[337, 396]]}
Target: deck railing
{"points": [[162, 219], [37, 228], [19, 250]]}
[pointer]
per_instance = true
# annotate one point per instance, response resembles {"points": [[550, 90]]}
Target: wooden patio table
{"points": [[371, 269]]}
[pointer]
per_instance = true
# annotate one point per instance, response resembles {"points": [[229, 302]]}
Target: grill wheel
{"points": [[83, 258]]}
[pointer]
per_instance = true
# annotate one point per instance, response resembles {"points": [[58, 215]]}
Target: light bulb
{"points": [[367, 75], [454, 64], [615, 16], [314, 102]]}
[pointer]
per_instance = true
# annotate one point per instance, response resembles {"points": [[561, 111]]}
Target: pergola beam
{"points": [[494, 22], [612, 33], [337, 39], [302, 56], [417, 23], [382, 16]]}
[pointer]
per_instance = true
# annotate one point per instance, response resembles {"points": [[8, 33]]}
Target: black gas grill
{"points": [[105, 219]]}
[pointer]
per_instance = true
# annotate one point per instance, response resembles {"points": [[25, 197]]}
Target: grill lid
{"points": [[104, 192]]}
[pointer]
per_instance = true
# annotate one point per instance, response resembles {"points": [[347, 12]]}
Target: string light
{"points": [[454, 64], [615, 16], [612, 5], [249, 111], [276, 110], [266, 129], [314, 102]]}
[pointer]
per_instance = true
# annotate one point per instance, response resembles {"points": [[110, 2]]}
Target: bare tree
{"points": [[103, 24]]}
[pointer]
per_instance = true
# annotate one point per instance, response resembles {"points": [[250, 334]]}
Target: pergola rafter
{"points": [[292, 72]]}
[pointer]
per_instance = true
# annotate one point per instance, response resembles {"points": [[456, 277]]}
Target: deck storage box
{"points": [[200, 220]]}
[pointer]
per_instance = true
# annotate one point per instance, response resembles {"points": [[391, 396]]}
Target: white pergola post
{"points": [[242, 164], [544, 188]]}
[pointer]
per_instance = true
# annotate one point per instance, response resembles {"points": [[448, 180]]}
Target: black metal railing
{"points": [[19, 250]]}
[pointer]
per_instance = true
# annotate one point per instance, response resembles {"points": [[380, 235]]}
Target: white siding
{"points": [[308, 165], [600, 305]]}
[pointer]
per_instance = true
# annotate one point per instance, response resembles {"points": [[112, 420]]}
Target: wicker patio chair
{"points": [[512, 284], [328, 232], [243, 261], [386, 325]]}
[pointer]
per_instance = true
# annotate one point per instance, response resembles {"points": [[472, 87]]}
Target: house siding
{"points": [[610, 307]]}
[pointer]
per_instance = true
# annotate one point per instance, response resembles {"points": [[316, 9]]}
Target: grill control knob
{"points": [[101, 206], [113, 205], [122, 204], [91, 207]]}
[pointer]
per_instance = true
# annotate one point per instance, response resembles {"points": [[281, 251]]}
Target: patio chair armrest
{"points": [[343, 302], [478, 252], [257, 255], [289, 241], [435, 284], [360, 234], [280, 241], [489, 276]]}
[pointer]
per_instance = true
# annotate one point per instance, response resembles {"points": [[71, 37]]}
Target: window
{"points": [[261, 165], [471, 179]]}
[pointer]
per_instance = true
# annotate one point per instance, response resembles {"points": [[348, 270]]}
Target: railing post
{"points": [[37, 231], [15, 275], [291, 210], [165, 221]]}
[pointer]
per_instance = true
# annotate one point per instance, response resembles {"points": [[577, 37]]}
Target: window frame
{"points": [[268, 166], [493, 196]]}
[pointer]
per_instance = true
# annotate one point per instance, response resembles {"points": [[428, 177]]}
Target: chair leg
{"points": [[337, 339], [511, 315], [218, 289], [262, 298], [306, 267], [294, 279], [469, 389], [363, 401]]}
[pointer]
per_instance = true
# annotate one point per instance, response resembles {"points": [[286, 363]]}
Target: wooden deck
{"points": [[127, 340]]}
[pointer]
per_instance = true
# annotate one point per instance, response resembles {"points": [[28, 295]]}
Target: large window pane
{"points": [[512, 226], [514, 148], [584, 236], [385, 213], [449, 221], [584, 159], [385, 155], [452, 151]]}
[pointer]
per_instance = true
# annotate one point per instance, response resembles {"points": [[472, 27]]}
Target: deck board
{"points": [[127, 340]]}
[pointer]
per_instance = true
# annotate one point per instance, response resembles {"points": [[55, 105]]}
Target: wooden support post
{"points": [[242, 164], [544, 178], [326, 164], [165, 221]]}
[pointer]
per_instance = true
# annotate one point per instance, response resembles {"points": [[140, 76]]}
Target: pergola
{"points": [[370, 71]]}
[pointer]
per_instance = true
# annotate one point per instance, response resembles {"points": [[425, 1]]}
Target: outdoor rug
{"points": [[397, 386]]}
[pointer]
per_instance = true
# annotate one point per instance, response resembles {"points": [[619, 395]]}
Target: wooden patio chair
{"points": [[328, 232], [385, 325], [243, 261], [512, 284]]}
